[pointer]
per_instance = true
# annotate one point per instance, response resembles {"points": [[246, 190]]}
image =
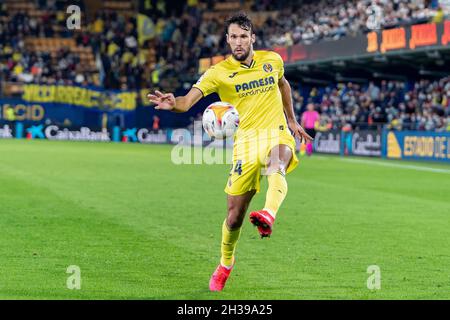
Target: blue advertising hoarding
{"points": [[67, 120], [417, 145], [75, 106], [366, 143]]}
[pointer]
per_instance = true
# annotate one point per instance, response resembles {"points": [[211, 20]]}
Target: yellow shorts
{"points": [[250, 161]]}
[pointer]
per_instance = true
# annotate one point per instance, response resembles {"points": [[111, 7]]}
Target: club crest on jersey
{"points": [[267, 67]]}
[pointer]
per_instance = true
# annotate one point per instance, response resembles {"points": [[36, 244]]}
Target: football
{"points": [[220, 120]]}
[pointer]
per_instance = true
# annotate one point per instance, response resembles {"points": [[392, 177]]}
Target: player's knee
{"points": [[234, 219], [276, 166], [234, 223]]}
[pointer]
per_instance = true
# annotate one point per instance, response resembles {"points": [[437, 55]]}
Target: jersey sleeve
{"points": [[207, 83], [280, 66]]}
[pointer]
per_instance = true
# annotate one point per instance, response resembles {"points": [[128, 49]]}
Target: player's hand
{"points": [[163, 101], [299, 132]]}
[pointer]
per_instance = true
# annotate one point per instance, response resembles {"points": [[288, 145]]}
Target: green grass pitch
{"points": [[140, 227]]}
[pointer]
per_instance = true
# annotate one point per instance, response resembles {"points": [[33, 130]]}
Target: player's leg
{"points": [[231, 230], [237, 208], [280, 157], [243, 182]]}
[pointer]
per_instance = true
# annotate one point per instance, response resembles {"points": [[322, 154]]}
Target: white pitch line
{"points": [[396, 165]]}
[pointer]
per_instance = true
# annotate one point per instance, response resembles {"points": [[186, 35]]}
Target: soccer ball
{"points": [[220, 120]]}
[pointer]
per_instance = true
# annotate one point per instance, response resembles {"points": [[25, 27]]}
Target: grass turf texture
{"points": [[140, 227]]}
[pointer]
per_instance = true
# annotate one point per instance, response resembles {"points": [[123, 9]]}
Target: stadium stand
{"points": [[421, 105]]}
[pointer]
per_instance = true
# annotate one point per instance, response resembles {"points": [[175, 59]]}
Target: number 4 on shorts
{"points": [[238, 167]]}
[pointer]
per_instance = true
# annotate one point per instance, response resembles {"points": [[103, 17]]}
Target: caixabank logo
{"points": [[35, 132], [53, 132], [129, 135], [144, 135]]}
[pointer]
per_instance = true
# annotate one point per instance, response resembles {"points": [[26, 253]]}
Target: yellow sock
{"points": [[276, 192], [229, 241]]}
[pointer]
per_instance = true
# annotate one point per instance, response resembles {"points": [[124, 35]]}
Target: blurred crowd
{"points": [[422, 105], [170, 58], [181, 40], [332, 19], [19, 63], [181, 37]]}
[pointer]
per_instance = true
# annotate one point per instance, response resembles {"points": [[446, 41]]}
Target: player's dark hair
{"points": [[242, 20]]}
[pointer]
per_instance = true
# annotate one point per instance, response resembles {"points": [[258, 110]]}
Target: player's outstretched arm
{"points": [[167, 101], [296, 128]]}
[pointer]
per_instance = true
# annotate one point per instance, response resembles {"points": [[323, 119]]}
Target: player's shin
{"points": [[276, 192], [229, 241]]}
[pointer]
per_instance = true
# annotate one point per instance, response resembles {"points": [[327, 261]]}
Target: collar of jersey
{"points": [[252, 64], [243, 65]]}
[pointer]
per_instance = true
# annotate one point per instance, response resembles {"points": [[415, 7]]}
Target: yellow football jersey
{"points": [[252, 90]]}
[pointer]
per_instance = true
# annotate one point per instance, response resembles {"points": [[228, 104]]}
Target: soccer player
{"points": [[253, 82]]}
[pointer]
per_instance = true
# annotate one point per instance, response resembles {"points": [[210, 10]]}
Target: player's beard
{"points": [[242, 56]]}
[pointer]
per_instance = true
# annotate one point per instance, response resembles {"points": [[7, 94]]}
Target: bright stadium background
{"points": [[113, 205]]}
